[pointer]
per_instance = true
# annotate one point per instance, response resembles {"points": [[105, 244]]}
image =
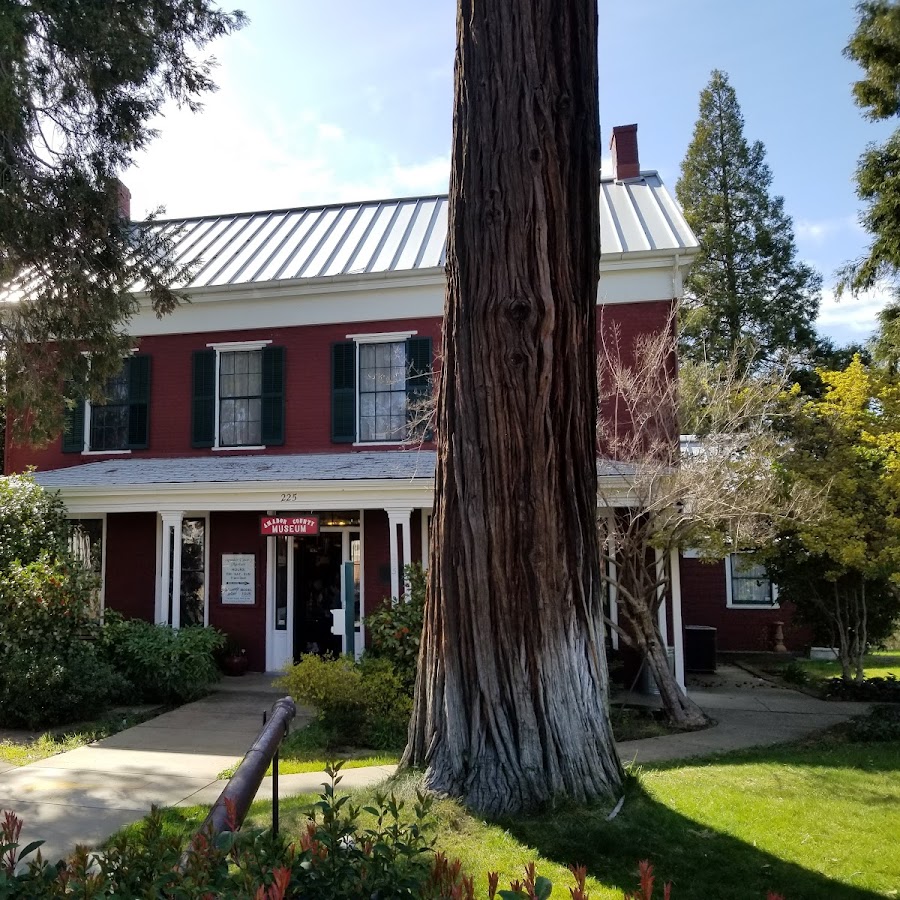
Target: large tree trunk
{"points": [[511, 692]]}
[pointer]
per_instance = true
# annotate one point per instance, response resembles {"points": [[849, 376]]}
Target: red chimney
{"points": [[123, 197], [624, 149]]}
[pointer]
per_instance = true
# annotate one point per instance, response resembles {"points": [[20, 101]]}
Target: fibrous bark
{"points": [[511, 693]]}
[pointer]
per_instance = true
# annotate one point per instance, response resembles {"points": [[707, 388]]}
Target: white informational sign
{"points": [[239, 579]]}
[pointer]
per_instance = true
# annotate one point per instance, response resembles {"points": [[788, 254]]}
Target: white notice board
{"points": [[239, 579]]}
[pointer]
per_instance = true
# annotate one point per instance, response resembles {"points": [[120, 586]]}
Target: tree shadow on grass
{"points": [[833, 749], [702, 864]]}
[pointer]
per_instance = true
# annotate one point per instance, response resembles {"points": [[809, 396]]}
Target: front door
{"points": [[317, 591], [307, 582]]}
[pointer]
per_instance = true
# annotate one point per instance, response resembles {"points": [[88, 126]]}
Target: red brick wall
{"points": [[307, 390], [238, 532], [131, 564], [376, 558], [619, 326], [703, 601]]}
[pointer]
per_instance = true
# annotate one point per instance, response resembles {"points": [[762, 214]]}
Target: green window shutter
{"points": [[73, 428], [138, 370], [343, 392], [419, 365], [273, 396], [203, 402]]}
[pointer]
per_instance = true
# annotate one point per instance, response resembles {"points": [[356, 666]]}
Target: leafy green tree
{"points": [[875, 46], [746, 292], [79, 85], [842, 568]]}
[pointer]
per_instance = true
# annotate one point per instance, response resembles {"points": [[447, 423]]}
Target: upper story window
{"points": [[379, 382], [238, 396], [121, 422], [748, 583]]}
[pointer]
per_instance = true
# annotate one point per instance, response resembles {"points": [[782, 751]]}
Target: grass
{"points": [[876, 665], [811, 820], [308, 749], [54, 741]]}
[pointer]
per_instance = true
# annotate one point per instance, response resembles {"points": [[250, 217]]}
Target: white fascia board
{"points": [[261, 496], [252, 496], [380, 297]]}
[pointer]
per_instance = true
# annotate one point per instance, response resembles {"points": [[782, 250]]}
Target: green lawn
{"points": [[813, 821], [877, 665], [20, 753]]}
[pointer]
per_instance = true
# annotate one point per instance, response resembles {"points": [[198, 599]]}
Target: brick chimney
{"points": [[624, 147], [123, 198]]}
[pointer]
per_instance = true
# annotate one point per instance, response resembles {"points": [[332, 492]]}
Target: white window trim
{"points": [[377, 337], [381, 337], [729, 592], [232, 347], [205, 517], [87, 418]]}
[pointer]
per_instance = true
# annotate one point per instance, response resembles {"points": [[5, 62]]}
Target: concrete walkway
{"points": [[82, 796]]}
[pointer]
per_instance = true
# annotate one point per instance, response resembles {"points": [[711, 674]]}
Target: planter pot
{"points": [[234, 665]]}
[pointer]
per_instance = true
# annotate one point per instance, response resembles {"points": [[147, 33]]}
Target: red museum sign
{"points": [[288, 525]]}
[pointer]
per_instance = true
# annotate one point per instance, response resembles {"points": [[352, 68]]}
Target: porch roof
{"points": [[384, 465]]}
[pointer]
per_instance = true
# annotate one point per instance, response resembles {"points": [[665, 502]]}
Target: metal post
{"points": [[275, 792], [243, 785]]}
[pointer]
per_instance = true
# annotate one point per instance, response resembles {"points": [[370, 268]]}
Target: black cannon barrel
{"points": [[243, 785]]}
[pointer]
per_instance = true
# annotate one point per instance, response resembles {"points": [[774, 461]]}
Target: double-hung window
{"points": [[238, 396], [748, 583], [121, 421], [380, 384]]}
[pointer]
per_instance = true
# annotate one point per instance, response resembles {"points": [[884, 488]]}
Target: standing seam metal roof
{"points": [[408, 234], [636, 216]]}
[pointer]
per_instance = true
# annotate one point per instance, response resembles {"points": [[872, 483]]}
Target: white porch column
{"points": [[678, 637], [170, 568], [662, 616], [401, 517]]}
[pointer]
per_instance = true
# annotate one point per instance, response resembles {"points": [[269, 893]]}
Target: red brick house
{"points": [[249, 469]]}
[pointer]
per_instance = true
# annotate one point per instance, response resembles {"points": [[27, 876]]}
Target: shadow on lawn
{"points": [[833, 749], [701, 863]]}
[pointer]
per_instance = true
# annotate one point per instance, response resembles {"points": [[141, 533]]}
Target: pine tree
{"points": [[80, 84], [875, 45], [746, 293]]}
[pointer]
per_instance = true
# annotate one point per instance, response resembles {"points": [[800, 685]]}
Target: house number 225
{"points": [[288, 498]]}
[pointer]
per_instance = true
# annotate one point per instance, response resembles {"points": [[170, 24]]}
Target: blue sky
{"points": [[353, 99]]}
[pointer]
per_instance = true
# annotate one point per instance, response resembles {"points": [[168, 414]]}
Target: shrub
{"points": [[362, 704], [395, 628], [335, 857], [51, 673], [871, 690], [882, 724], [795, 673], [40, 687], [32, 522], [161, 664]]}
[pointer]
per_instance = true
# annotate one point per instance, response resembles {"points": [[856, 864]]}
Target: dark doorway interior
{"points": [[317, 591]]}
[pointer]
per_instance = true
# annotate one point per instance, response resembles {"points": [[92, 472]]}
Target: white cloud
{"points": [[818, 231], [428, 177], [239, 155], [856, 314]]}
